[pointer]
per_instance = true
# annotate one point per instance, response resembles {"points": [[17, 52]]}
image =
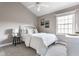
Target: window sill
{"points": [[72, 35]]}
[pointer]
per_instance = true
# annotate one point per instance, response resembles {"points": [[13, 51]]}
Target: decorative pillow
{"points": [[35, 30], [28, 29], [32, 30], [24, 30]]}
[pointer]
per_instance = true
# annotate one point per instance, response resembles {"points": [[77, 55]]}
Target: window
{"points": [[65, 24]]}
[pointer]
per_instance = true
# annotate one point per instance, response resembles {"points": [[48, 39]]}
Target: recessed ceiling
{"points": [[52, 7]]}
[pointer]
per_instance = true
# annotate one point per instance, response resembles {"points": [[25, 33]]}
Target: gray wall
{"points": [[52, 19], [52, 23], [11, 16]]}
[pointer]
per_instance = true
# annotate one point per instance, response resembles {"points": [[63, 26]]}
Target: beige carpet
{"points": [[19, 50]]}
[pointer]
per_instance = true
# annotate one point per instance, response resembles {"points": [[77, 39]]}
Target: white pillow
{"points": [[35, 30], [32, 30], [24, 30]]}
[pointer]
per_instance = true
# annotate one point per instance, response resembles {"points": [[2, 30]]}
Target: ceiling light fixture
{"points": [[38, 6]]}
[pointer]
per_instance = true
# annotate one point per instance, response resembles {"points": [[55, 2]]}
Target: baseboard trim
{"points": [[2, 45]]}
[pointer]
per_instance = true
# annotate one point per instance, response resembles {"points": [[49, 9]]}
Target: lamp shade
{"points": [[15, 32]]}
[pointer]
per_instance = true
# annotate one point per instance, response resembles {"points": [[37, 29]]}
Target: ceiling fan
{"points": [[38, 6]]}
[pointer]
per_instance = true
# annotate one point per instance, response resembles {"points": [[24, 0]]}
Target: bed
{"points": [[37, 41], [41, 41]]}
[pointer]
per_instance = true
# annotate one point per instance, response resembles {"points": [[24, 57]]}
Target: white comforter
{"points": [[40, 41], [47, 38]]}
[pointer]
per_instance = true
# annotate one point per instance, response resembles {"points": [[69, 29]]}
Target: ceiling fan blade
{"points": [[31, 6], [43, 5], [38, 9]]}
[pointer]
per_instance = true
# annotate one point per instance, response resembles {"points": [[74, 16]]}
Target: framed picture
{"points": [[42, 22], [47, 24]]}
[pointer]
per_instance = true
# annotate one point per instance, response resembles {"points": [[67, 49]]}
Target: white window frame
{"points": [[64, 14]]}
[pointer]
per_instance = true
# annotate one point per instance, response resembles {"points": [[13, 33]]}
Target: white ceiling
{"points": [[53, 7]]}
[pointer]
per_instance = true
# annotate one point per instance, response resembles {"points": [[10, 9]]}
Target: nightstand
{"points": [[16, 35], [16, 40]]}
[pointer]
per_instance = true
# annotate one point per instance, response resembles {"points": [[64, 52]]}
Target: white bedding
{"points": [[47, 38], [40, 41]]}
